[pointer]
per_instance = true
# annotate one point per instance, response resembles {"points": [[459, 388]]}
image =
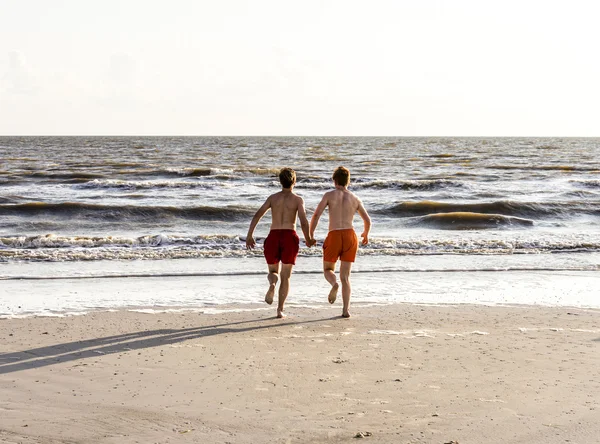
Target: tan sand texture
{"points": [[393, 374]]}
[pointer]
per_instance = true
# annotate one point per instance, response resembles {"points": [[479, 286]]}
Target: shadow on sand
{"points": [[93, 348]]}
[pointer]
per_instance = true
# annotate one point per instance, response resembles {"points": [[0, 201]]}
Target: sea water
{"points": [[179, 208]]}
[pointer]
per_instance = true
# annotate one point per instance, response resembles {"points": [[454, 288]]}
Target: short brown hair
{"points": [[341, 175], [287, 177]]}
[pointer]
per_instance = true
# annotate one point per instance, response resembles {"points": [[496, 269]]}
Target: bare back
{"points": [[284, 210], [343, 205]]}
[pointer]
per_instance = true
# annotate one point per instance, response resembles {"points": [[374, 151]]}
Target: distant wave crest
{"points": [[141, 184], [387, 184]]}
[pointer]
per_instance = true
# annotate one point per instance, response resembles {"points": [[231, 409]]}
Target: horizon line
{"points": [[292, 136]]}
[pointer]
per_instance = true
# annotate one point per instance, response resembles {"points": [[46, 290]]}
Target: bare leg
{"points": [[284, 288], [345, 269], [273, 278], [329, 272]]}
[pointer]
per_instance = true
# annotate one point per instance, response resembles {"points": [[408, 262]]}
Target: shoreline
{"points": [[291, 308], [404, 372], [29, 297]]}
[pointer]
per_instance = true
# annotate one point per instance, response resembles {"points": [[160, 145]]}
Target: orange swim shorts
{"points": [[340, 244]]}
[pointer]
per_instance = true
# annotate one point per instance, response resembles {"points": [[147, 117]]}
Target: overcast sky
{"points": [[235, 67]]}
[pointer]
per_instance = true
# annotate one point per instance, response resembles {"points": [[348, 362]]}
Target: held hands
{"points": [[250, 243], [310, 242], [365, 238]]}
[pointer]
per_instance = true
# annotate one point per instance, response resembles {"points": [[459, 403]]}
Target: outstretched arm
{"points": [[314, 220], [366, 220], [308, 240], [250, 243]]}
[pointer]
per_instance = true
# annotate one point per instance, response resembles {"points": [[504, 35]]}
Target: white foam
{"points": [[387, 332], [424, 333], [454, 335], [141, 184], [213, 311], [43, 314], [210, 311], [52, 241], [413, 334], [556, 329]]}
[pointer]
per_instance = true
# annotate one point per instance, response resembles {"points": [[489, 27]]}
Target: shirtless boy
{"points": [[282, 243], [341, 242]]}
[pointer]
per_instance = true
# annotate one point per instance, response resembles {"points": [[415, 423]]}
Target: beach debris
{"points": [[363, 434], [45, 333], [451, 442], [186, 431], [338, 360]]}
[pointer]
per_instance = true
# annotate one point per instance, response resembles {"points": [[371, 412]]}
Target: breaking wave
{"points": [[159, 246], [506, 208], [470, 221]]}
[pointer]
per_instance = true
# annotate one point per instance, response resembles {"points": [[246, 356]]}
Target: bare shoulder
{"points": [[298, 199], [354, 196], [355, 200]]}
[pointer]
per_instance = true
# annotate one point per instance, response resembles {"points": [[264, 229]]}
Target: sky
{"points": [[291, 68]]}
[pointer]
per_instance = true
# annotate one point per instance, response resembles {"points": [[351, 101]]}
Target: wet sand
{"points": [[399, 373]]}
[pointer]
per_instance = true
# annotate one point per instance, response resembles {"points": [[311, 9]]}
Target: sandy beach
{"points": [[400, 373], [149, 151]]}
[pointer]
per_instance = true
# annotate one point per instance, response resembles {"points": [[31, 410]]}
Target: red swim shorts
{"points": [[340, 244], [282, 245]]}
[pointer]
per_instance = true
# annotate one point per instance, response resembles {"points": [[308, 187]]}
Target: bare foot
{"points": [[346, 314], [270, 294], [333, 293], [281, 314]]}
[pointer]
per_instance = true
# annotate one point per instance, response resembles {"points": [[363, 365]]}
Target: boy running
{"points": [[341, 242], [282, 244]]}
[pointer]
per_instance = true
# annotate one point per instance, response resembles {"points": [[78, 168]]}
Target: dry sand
{"points": [[398, 374]]}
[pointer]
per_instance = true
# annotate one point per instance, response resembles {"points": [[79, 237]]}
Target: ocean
{"points": [[171, 207]]}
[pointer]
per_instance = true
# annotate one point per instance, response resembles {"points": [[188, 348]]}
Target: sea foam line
{"points": [[258, 273]]}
